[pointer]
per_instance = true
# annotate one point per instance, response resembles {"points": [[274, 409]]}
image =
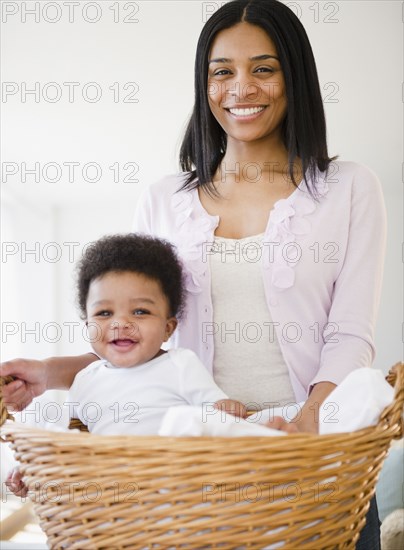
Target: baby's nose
{"points": [[120, 323], [124, 328]]}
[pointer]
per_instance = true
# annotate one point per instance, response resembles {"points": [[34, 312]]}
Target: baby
{"points": [[131, 295]]}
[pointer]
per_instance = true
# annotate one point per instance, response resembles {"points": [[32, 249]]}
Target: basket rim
{"points": [[390, 423], [89, 439]]}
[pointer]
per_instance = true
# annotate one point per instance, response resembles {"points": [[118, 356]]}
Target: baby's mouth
{"points": [[123, 342]]}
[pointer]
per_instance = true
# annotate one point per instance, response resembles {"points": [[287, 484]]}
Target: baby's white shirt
{"points": [[132, 401]]}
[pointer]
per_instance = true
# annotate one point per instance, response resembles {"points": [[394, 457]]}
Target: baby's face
{"points": [[128, 318]]}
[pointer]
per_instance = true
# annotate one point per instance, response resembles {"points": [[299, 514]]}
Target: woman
{"points": [[282, 246]]}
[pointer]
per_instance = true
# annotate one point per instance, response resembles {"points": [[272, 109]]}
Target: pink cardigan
{"points": [[322, 264]]}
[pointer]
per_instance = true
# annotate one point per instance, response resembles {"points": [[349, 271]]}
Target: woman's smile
{"points": [[246, 113]]}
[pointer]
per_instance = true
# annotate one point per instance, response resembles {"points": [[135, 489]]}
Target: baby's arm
{"points": [[236, 408], [198, 387], [230, 406], [279, 423]]}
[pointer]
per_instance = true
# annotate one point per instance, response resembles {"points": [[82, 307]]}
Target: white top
{"points": [[245, 341], [132, 401]]}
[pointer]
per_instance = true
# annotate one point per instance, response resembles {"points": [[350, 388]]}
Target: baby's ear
{"points": [[171, 325]]}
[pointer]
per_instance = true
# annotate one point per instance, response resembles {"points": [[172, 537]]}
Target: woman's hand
{"points": [[308, 418], [306, 421], [230, 406], [31, 381], [35, 377], [15, 483]]}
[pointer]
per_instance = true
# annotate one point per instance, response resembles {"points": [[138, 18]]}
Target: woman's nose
{"points": [[243, 88]]}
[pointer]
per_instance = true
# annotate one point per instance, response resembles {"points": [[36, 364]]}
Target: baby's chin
{"points": [[126, 362]]}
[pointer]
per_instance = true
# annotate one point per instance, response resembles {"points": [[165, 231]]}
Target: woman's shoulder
{"points": [[351, 177], [168, 185], [162, 205], [347, 170]]}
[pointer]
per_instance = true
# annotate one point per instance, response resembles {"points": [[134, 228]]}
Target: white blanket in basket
{"points": [[355, 404]]}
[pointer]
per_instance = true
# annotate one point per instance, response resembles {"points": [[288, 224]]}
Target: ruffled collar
{"points": [[194, 231], [288, 221]]}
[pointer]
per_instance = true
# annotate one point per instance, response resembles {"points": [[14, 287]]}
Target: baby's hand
{"points": [[15, 483], [278, 423], [231, 406]]}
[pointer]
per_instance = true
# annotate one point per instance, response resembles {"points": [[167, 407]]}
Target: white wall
{"points": [[358, 48]]}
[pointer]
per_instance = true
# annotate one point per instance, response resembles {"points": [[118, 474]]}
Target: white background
{"points": [[358, 49]]}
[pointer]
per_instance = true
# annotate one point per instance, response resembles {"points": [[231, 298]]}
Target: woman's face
{"points": [[246, 88]]}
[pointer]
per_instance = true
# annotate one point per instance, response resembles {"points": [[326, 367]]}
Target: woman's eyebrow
{"points": [[263, 56], [255, 58]]}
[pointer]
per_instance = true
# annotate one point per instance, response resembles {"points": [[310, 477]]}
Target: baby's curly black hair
{"points": [[149, 256]]}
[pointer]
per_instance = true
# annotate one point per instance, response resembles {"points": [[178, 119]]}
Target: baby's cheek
{"points": [[94, 331], [134, 331]]}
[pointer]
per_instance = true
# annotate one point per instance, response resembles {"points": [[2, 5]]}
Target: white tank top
{"points": [[248, 364]]}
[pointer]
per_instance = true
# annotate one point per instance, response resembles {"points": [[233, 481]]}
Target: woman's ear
{"points": [[171, 325]]}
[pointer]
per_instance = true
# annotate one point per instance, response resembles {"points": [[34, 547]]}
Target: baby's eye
{"points": [[103, 313], [140, 311]]}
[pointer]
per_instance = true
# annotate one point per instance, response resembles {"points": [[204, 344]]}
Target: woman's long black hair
{"points": [[303, 129]]}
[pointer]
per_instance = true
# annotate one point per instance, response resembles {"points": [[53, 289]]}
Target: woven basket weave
{"points": [[302, 491]]}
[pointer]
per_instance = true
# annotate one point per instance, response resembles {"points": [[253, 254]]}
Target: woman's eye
{"points": [[221, 72], [264, 70]]}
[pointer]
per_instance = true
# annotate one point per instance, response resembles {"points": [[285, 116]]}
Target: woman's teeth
{"points": [[246, 112]]}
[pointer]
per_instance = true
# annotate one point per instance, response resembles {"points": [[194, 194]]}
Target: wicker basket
{"points": [[146, 492]]}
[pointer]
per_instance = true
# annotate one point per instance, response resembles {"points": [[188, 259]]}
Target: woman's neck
{"points": [[253, 161]]}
